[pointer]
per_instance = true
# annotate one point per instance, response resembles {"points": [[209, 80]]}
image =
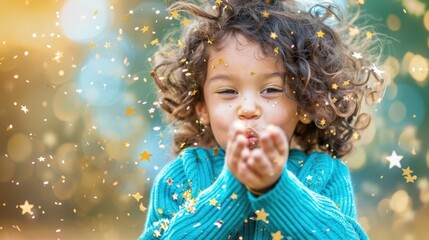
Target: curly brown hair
{"points": [[328, 68]]}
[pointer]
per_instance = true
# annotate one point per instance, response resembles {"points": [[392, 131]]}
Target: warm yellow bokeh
{"points": [[393, 22]]}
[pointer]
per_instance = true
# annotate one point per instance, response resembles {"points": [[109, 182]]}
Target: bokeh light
{"points": [[82, 20], [393, 22]]}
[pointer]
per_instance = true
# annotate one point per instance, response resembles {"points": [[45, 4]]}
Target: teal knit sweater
{"points": [[196, 197]]}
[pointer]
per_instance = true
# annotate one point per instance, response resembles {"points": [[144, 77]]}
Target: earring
{"points": [[304, 118]]}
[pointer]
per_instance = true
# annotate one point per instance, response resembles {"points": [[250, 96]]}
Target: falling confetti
{"points": [[26, 208], [145, 156], [262, 215], [395, 160], [129, 111], [137, 196]]}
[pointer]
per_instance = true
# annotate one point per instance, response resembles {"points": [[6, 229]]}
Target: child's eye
{"points": [[227, 91], [271, 90]]}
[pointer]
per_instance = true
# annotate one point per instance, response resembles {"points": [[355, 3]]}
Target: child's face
{"points": [[242, 84]]}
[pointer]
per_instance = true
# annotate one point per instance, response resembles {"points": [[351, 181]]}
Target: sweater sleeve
{"points": [[320, 210], [218, 211]]}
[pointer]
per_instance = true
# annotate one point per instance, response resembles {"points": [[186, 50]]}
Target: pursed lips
{"points": [[252, 138]]}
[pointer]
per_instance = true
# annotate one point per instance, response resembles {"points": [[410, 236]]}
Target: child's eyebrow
{"points": [[226, 77]]}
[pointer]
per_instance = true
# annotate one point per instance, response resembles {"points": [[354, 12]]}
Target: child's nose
{"points": [[249, 109]]}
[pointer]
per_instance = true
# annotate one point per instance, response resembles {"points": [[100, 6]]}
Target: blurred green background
{"points": [[78, 111]]}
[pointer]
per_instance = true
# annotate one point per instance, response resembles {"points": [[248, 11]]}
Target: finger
{"points": [[267, 146], [259, 163], [246, 175], [279, 139], [235, 149]]}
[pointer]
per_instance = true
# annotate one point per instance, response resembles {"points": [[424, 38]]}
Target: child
{"points": [[246, 79]]}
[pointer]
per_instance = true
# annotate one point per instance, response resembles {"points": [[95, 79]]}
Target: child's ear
{"points": [[202, 113]]}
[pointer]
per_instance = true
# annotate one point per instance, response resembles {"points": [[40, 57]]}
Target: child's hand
{"points": [[258, 169]]}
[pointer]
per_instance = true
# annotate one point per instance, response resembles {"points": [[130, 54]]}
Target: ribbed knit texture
{"points": [[196, 197]]}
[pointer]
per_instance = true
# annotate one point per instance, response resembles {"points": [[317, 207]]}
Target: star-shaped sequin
{"points": [[24, 109], [320, 34], [142, 207], [410, 178], [26, 208], [129, 111], [394, 159], [277, 235], [262, 215], [137, 196], [265, 14], [406, 171], [145, 156], [213, 202]]}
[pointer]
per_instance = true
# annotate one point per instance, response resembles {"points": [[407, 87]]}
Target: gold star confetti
{"points": [[322, 122], [346, 82], [234, 196], [265, 14], [145, 156], [320, 34], [218, 2], [175, 15], [26, 208], [209, 40], [137, 196], [394, 159], [220, 60], [334, 86], [154, 42], [185, 22], [142, 207], [273, 35], [160, 211], [277, 235], [213, 202], [144, 29], [262, 215], [129, 111], [182, 46], [368, 35], [194, 92], [92, 45], [410, 179], [276, 51], [356, 135], [406, 171]]}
